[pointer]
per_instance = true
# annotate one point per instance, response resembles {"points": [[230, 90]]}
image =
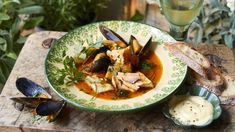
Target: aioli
{"points": [[191, 110]]}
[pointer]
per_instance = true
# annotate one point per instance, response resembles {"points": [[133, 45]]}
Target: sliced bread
{"points": [[191, 57]]}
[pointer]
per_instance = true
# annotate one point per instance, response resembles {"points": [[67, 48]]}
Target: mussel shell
{"points": [[110, 34], [137, 52], [101, 64], [102, 49], [31, 102], [134, 45], [147, 47], [135, 49], [30, 88], [50, 108]]}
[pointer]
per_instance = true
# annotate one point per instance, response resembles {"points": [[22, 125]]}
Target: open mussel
{"points": [[147, 47], [91, 57], [50, 108], [138, 52], [38, 99], [99, 60], [110, 34], [31, 89]]}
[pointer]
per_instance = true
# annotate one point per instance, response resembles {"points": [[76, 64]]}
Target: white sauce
{"points": [[191, 110]]}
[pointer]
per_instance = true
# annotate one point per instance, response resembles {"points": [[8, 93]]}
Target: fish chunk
{"points": [[98, 85], [122, 61], [131, 81]]}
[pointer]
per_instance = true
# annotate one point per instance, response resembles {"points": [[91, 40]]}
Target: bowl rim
{"points": [[104, 110]]}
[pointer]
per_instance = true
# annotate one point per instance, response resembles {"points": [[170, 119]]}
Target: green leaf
{"points": [[228, 39], [15, 28], [209, 29], [232, 31], [5, 70], [138, 17], [70, 71], [3, 32], [4, 17], [33, 22], [21, 40], [2, 77], [16, 1], [8, 61], [31, 10], [3, 44], [12, 55], [2, 40]]}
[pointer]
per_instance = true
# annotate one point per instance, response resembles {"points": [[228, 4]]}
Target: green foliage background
{"points": [[13, 19], [215, 25], [19, 15]]}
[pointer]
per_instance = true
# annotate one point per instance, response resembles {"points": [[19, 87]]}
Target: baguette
{"points": [[191, 57]]}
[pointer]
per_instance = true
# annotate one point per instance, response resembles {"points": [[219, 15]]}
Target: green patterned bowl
{"points": [[174, 71], [202, 92]]}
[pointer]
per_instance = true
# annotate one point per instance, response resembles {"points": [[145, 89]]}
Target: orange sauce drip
{"points": [[154, 74]]}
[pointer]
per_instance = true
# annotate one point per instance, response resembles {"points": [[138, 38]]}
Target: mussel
{"points": [[100, 63], [138, 52], [99, 60], [31, 102], [114, 44], [111, 35], [38, 98], [91, 57], [31, 89], [50, 108]]}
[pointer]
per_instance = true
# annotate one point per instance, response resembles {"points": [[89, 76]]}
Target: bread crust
{"points": [[190, 57]]}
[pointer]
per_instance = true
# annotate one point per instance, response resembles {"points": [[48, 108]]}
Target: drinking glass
{"points": [[180, 14]]}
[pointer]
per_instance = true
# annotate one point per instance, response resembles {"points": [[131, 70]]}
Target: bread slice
{"points": [[228, 95], [191, 57], [215, 84]]}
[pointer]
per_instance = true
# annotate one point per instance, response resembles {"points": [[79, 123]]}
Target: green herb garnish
{"points": [[122, 93], [70, 72], [145, 65]]}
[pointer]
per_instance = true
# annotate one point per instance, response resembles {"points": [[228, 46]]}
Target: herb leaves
{"points": [[145, 65], [70, 72]]}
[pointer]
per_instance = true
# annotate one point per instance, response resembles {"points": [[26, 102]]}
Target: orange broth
{"points": [[154, 74]]}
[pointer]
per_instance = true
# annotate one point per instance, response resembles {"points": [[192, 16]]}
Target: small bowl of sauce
{"points": [[198, 108]]}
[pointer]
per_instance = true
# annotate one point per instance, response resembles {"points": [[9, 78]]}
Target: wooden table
{"points": [[30, 64]]}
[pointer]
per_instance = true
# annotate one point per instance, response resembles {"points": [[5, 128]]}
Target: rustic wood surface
{"points": [[30, 64]]}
